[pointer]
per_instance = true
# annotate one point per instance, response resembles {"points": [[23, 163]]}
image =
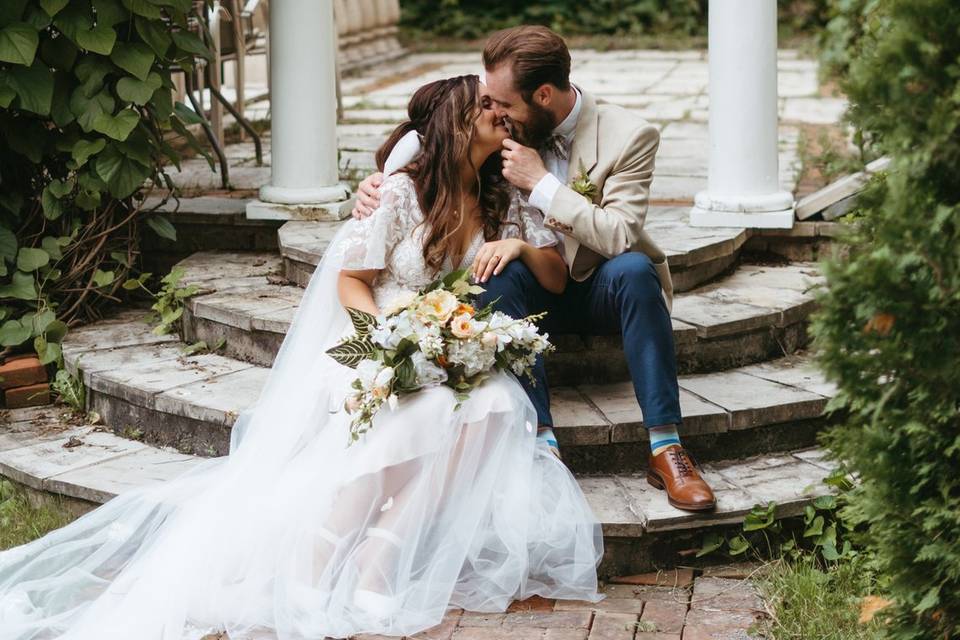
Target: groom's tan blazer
{"points": [[617, 149]]}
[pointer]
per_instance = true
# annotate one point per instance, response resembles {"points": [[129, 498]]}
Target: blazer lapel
{"points": [[584, 148]]}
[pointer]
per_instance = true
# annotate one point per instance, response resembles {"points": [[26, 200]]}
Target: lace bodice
{"points": [[391, 239]]}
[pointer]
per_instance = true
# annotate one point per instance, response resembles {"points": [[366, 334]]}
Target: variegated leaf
{"points": [[352, 352]]}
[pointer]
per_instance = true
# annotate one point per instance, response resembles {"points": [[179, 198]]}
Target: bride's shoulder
{"points": [[398, 183]]}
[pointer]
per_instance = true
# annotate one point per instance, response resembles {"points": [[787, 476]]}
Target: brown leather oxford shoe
{"points": [[675, 471]]}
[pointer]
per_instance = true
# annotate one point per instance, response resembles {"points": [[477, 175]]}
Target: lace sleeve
{"points": [[525, 221], [370, 241]]}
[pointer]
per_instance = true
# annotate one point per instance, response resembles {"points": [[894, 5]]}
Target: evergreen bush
{"points": [[888, 331]]}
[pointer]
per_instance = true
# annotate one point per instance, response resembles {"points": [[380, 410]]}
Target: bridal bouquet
{"points": [[431, 338]]}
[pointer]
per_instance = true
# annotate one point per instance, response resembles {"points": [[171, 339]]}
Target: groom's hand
{"points": [[522, 166], [368, 196]]}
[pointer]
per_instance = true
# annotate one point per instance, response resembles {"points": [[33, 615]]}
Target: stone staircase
{"points": [[752, 400]]}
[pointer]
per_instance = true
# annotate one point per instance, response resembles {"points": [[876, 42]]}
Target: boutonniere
{"points": [[582, 185]]}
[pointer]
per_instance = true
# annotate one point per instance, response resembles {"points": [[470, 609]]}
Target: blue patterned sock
{"points": [[662, 437], [546, 434]]}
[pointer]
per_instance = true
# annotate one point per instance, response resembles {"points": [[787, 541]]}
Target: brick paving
{"points": [[716, 604]]}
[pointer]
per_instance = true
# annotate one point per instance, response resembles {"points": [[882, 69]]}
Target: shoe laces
{"points": [[682, 461]]}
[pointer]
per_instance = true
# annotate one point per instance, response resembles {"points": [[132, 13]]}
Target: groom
{"points": [[564, 138]]}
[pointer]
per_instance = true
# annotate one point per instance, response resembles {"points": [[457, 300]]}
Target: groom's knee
{"points": [[511, 284], [634, 275]]}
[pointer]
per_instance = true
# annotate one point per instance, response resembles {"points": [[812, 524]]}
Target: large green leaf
{"points": [[11, 11], [352, 352], [13, 333], [103, 278], [138, 91], [21, 287], [83, 149], [143, 8], [18, 43], [52, 207], [51, 246], [162, 227], [100, 39], [162, 103], [55, 331], [53, 7], [8, 244], [91, 71], [189, 42], [110, 12], [31, 259], [135, 58], [186, 114], [34, 86], [155, 34], [119, 126], [7, 94], [60, 111], [87, 109], [122, 174], [74, 19], [37, 18]]}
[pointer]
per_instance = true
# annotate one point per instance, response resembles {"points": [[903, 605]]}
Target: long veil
{"points": [[236, 542]]}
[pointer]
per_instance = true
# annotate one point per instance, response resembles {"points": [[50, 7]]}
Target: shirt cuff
{"points": [[542, 195]]}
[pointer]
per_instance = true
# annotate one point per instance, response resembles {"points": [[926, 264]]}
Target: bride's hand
{"points": [[494, 256]]}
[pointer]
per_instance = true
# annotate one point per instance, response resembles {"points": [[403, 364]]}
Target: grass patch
{"points": [[21, 522], [809, 601]]}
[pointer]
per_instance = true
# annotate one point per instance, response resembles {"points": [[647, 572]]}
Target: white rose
{"points": [[428, 372], [367, 371], [401, 302], [438, 305], [464, 326], [489, 339], [384, 377]]}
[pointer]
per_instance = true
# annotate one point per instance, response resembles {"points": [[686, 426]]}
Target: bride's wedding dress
{"points": [[296, 535]]}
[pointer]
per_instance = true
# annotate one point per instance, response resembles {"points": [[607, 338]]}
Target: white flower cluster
{"points": [[430, 339]]}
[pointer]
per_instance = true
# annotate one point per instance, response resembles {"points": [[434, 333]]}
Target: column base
{"points": [[260, 210], [324, 203], [770, 211]]}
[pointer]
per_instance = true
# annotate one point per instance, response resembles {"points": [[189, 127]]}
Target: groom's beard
{"points": [[538, 127]]}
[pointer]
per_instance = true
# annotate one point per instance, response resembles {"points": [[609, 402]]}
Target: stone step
{"points": [[757, 313], [139, 381], [695, 254], [89, 466]]}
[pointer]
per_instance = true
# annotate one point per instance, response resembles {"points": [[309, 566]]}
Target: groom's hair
{"points": [[536, 55]]}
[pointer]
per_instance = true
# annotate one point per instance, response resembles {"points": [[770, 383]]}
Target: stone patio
{"points": [[668, 88]]}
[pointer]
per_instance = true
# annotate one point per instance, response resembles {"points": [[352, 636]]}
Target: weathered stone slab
{"points": [[719, 314], [218, 399], [794, 371], [618, 402], [576, 420], [206, 267], [127, 329], [102, 481], [754, 401], [141, 355], [609, 502], [237, 308], [306, 241], [784, 479], [732, 503], [31, 464], [140, 384]]}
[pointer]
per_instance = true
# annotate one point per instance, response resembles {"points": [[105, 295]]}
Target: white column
{"points": [[304, 180], [743, 187]]}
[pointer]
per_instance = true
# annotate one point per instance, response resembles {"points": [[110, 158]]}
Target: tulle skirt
{"points": [[438, 506]]}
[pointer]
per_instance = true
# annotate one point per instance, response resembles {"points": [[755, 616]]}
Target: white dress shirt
{"points": [[557, 168]]}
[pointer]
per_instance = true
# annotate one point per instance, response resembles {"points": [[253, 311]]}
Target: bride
{"points": [[298, 535]]}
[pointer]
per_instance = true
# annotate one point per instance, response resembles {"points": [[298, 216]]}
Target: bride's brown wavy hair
{"points": [[444, 113]]}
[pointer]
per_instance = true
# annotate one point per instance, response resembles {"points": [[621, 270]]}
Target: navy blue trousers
{"points": [[623, 296]]}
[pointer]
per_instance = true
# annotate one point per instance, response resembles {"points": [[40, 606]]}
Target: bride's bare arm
{"points": [[545, 263], [355, 288]]}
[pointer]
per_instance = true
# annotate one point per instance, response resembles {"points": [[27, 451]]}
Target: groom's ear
{"points": [[543, 95]]}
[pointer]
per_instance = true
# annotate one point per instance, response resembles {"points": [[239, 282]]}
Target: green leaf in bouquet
{"points": [[405, 377], [362, 321], [352, 352]]}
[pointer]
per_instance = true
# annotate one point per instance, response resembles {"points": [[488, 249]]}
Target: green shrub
{"points": [[477, 18], [889, 327], [86, 112]]}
